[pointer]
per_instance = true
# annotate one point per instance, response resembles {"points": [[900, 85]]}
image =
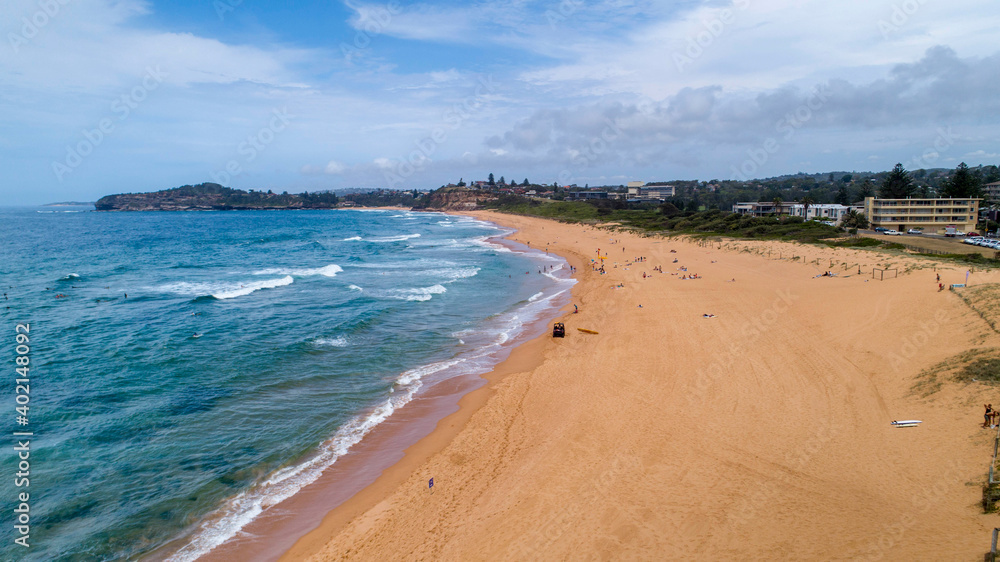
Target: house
{"points": [[827, 212], [931, 215], [991, 191], [650, 193], [585, 195], [762, 208], [658, 191]]}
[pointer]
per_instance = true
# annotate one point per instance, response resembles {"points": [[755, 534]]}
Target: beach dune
{"points": [[762, 432]]}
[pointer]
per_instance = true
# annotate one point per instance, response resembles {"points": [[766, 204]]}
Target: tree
{"points": [[777, 205], [806, 203], [866, 190], [847, 178], [461, 182], [842, 197], [854, 219], [525, 183], [491, 181], [669, 209], [830, 178], [897, 185], [963, 183], [991, 174], [502, 182]]}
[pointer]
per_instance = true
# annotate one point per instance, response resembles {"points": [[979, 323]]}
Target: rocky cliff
{"points": [[457, 199]]}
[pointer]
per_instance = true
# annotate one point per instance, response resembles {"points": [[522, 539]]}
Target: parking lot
{"points": [[937, 243]]}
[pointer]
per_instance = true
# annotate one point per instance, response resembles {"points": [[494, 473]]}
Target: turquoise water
{"points": [[252, 350]]}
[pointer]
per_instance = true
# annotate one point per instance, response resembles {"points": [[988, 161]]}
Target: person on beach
{"points": [[938, 277], [988, 415]]}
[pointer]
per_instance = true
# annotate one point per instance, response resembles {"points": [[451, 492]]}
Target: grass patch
{"points": [[986, 370], [860, 242], [974, 259], [984, 300], [964, 367]]}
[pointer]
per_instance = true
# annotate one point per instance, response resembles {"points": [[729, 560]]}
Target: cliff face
{"points": [[456, 199]]}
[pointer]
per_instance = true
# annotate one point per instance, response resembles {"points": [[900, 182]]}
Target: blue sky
{"points": [[100, 96]]}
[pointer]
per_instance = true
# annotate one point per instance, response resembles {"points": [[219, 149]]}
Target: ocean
{"points": [[187, 370]]}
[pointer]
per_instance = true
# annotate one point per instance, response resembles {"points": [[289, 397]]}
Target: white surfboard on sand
{"points": [[907, 422]]}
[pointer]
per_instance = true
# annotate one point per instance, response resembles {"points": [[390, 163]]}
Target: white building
{"points": [[992, 191], [831, 212]]}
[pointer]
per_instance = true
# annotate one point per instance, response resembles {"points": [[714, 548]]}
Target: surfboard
{"points": [[907, 425], [586, 331], [906, 422]]}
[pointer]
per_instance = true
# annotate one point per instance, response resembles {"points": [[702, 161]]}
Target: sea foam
{"points": [[226, 522], [327, 271], [224, 290], [418, 294]]}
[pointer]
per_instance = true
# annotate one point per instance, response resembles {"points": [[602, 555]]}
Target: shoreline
{"points": [[672, 433], [524, 356], [389, 445]]}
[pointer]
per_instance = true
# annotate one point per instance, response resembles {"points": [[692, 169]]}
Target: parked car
{"points": [[892, 233], [914, 231], [880, 229], [973, 234]]}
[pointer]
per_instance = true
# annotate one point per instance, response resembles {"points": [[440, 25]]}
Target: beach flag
{"points": [[967, 273]]}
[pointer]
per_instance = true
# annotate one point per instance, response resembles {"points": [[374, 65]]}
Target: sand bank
{"points": [[762, 432]]}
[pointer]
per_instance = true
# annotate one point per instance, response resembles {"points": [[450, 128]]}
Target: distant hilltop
{"points": [[214, 197]]}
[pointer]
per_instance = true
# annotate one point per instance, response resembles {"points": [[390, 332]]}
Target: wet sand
{"points": [[761, 433]]}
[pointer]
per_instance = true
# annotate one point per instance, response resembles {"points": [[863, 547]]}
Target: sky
{"points": [[103, 96]]}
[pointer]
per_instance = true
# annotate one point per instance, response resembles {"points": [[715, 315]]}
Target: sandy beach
{"points": [[759, 432]]}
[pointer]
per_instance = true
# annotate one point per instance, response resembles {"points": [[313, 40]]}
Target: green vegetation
{"points": [[216, 197], [984, 300], [985, 369], [668, 219], [974, 258], [969, 366], [384, 198], [963, 183], [897, 185]]}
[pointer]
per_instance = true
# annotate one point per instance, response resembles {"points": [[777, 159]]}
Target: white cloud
{"points": [[333, 168]]}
